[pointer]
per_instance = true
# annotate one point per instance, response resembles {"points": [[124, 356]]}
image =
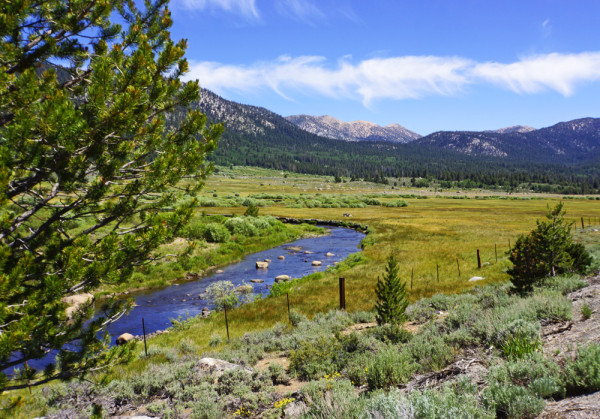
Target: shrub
{"points": [[586, 311], [296, 317], [512, 401], [541, 376], [391, 333], [397, 203], [583, 374], [241, 226], [429, 351], [335, 399], [216, 233], [388, 368], [314, 359], [519, 338], [277, 374]]}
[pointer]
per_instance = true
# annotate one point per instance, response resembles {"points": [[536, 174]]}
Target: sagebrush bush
{"points": [[429, 351], [389, 367], [241, 226], [512, 401], [335, 399], [519, 338], [583, 374], [315, 358]]}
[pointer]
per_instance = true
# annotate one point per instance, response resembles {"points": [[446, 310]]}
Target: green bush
{"points": [[241, 226], [519, 338], [277, 374], [315, 358], [429, 351], [397, 203], [389, 368], [216, 233], [335, 399], [583, 374], [541, 376], [512, 401]]}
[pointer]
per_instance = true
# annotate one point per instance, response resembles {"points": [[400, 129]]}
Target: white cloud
{"points": [[399, 78], [246, 8], [559, 72], [303, 10]]}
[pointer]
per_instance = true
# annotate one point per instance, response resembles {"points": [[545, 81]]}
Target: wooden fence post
{"points": [[582, 226], [478, 260], [144, 330], [288, 301], [458, 266], [226, 323], [342, 293], [412, 273], [496, 252], [437, 270]]}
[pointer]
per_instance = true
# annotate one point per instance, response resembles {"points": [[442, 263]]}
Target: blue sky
{"points": [[428, 65]]}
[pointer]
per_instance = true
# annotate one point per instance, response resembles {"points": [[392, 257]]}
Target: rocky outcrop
{"points": [[217, 367]]}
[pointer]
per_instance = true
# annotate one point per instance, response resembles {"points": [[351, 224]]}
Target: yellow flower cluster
{"points": [[280, 404], [332, 377], [242, 412]]}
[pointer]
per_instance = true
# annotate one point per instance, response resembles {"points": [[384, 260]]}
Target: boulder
{"points": [[257, 281], [262, 265], [124, 338], [216, 367], [76, 301], [329, 254], [281, 257], [307, 252], [268, 260], [294, 248], [245, 289], [476, 278], [219, 271], [316, 263], [282, 278]]}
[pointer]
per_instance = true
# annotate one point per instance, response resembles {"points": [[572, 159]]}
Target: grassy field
{"points": [[432, 238], [427, 236]]}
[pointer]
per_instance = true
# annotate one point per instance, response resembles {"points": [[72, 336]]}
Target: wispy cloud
{"points": [[302, 10], [246, 8], [399, 78], [559, 72], [546, 28]]}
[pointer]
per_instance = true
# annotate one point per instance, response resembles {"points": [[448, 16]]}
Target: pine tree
{"points": [[546, 251], [391, 295], [86, 169]]}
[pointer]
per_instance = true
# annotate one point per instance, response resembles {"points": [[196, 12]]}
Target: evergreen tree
{"points": [[86, 166], [546, 251], [391, 295]]}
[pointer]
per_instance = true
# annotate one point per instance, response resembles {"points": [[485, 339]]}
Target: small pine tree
{"points": [[391, 295], [546, 251]]}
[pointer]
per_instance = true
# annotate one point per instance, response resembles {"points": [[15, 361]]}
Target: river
{"points": [[157, 308]]}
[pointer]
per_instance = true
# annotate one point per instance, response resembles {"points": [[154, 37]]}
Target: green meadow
{"points": [[434, 236]]}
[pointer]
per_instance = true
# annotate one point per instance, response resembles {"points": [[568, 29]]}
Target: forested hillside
{"points": [[559, 159]]}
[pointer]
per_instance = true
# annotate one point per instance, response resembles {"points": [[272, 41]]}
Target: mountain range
{"points": [[567, 153], [329, 127]]}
